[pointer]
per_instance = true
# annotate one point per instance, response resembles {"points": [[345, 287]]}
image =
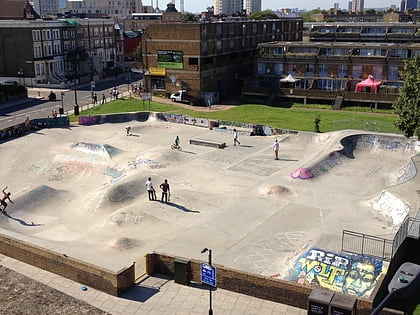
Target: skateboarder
{"points": [[6, 196], [165, 190]]}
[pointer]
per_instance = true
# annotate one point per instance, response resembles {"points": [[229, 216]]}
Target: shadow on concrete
{"points": [[22, 222], [146, 288], [181, 207]]}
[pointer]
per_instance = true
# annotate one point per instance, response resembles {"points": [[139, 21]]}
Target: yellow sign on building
{"points": [[157, 71]]}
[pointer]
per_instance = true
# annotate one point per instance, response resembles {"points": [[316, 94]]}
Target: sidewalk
{"points": [[153, 295]]}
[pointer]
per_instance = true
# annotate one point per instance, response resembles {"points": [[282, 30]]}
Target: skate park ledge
{"points": [[208, 143], [184, 271]]}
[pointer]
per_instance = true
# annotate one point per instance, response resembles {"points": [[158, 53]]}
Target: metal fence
{"points": [[368, 245]]}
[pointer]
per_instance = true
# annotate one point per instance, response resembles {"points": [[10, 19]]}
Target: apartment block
{"points": [[34, 52], [335, 59], [208, 57]]}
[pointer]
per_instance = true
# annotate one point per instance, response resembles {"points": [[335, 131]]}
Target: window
{"points": [[392, 73], [291, 68], [261, 67], [398, 53], [193, 61], [372, 52], [36, 35], [357, 71], [309, 69], [343, 69], [323, 70], [377, 72], [278, 69]]}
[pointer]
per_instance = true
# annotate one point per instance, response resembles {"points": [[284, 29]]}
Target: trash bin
{"points": [[181, 274], [342, 304], [319, 302], [211, 124]]}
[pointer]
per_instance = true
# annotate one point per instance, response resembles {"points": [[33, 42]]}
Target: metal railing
{"points": [[368, 245]]}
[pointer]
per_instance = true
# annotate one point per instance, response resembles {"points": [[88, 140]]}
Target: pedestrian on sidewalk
{"points": [[95, 99], [103, 98], [276, 147], [235, 137]]}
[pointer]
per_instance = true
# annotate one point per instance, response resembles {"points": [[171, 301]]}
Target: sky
{"points": [[195, 6]]}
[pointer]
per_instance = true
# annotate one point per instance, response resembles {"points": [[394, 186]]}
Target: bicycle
{"points": [[176, 147]]}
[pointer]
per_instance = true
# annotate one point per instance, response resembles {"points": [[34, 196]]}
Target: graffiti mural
{"points": [[349, 274]]}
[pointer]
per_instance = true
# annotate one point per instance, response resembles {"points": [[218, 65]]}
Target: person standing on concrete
{"points": [[235, 137], [6, 196], [150, 189], [95, 99], [165, 190], [103, 98], [276, 147]]}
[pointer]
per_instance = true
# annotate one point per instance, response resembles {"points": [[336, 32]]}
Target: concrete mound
{"points": [[122, 243], [273, 190], [95, 148]]}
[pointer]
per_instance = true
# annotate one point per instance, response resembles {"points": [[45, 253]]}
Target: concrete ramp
{"points": [[95, 148]]}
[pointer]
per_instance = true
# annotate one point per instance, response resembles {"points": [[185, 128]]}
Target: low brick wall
{"points": [[114, 283], [262, 287]]}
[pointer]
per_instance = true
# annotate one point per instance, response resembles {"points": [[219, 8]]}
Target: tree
{"points": [[308, 15], [407, 105], [188, 17], [75, 57], [263, 15]]}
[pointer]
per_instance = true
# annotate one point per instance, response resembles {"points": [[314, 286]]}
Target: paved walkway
{"points": [[156, 295]]}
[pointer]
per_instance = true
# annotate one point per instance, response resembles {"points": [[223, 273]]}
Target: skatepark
{"points": [[81, 191]]}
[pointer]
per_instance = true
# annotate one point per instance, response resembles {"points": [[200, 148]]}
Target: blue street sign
{"points": [[208, 274]]}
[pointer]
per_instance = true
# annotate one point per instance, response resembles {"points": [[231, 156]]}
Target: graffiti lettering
{"points": [[350, 274]]}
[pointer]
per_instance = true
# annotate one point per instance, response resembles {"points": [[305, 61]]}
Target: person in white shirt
{"points": [[235, 137], [150, 189], [276, 147]]}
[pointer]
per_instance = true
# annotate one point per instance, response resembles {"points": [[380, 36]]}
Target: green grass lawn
{"points": [[301, 119]]}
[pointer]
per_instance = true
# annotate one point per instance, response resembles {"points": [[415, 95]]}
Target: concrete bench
{"points": [[208, 143]]}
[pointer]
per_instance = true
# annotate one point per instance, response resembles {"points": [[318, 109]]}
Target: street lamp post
{"points": [[20, 74], [76, 105], [62, 104], [210, 289]]}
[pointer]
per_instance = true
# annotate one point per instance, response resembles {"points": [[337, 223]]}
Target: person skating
{"points": [[6, 196]]}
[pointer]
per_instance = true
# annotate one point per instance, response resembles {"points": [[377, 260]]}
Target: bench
{"points": [[208, 143]]}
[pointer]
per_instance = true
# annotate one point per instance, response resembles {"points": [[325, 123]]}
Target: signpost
{"points": [[208, 275]]}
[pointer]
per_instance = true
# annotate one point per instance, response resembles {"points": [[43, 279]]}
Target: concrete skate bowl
{"points": [[388, 166], [31, 206], [363, 145]]}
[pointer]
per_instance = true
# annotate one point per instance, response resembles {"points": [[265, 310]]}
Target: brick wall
{"points": [[259, 286], [71, 268]]}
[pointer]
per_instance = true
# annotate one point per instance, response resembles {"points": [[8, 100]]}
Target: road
{"points": [[38, 105]]}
